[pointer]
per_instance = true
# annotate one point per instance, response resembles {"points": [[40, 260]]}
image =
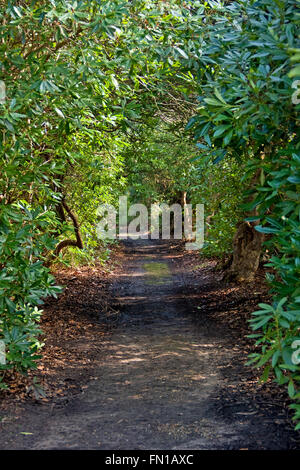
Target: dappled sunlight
{"points": [[128, 360], [149, 206]]}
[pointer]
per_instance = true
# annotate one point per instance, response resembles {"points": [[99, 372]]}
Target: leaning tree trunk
{"points": [[247, 244], [61, 209], [69, 242]]}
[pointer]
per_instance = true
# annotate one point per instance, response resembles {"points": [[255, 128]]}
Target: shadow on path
{"points": [[161, 378]]}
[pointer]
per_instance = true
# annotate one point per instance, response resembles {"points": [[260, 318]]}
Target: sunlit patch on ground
{"points": [[157, 273]]}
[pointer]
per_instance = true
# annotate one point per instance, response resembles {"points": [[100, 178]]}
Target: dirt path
{"points": [[168, 379]]}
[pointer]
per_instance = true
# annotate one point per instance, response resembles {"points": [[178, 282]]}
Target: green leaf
{"points": [[181, 52], [60, 113]]}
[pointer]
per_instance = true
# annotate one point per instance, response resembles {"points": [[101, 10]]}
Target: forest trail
{"points": [[165, 376]]}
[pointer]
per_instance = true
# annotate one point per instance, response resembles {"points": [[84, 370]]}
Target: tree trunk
{"points": [[60, 209], [247, 244], [69, 242]]}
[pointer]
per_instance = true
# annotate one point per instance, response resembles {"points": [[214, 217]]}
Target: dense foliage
{"points": [[247, 110], [72, 76]]}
